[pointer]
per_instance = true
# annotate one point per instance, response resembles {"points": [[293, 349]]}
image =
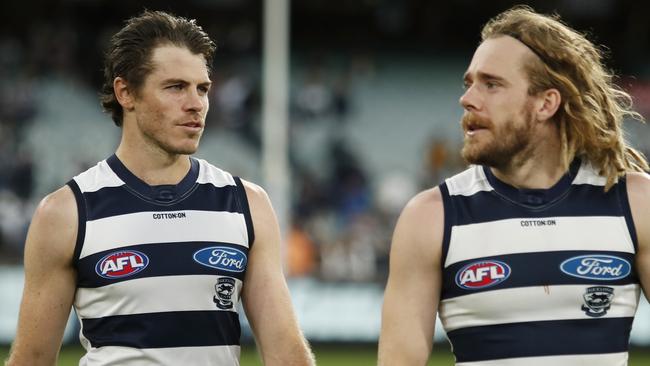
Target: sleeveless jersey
{"points": [[538, 277], [160, 268]]}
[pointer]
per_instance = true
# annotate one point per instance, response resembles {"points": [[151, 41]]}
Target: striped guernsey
{"points": [[160, 268], [538, 277]]}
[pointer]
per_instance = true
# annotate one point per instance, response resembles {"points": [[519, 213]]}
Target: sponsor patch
{"points": [[223, 258], [122, 263], [598, 300], [225, 288], [597, 267], [482, 274]]}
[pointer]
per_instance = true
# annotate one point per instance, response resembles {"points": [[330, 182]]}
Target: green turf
{"points": [[329, 356]]}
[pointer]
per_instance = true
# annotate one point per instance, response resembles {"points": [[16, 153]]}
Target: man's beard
{"points": [[506, 143]]}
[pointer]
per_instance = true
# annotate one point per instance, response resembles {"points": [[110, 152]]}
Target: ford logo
{"points": [[597, 267], [223, 258], [121, 264], [482, 274]]}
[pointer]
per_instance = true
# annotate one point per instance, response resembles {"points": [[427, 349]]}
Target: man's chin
{"points": [[471, 154], [479, 157], [184, 150]]}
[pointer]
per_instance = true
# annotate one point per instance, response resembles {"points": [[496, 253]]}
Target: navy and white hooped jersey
{"points": [[160, 268], [538, 277]]}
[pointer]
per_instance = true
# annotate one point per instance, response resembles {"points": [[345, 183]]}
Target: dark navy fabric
{"points": [[81, 219], [169, 329], [245, 209], [545, 338]]}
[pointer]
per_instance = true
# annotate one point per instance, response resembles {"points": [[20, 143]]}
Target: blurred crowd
{"points": [[17, 109]]}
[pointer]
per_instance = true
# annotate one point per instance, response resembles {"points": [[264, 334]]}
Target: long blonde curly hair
{"points": [[593, 108]]}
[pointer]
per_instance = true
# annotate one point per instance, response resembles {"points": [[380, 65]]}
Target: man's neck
{"points": [[154, 167], [532, 174]]}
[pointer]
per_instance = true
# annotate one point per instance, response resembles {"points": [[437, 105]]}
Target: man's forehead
{"points": [[173, 60], [499, 56]]}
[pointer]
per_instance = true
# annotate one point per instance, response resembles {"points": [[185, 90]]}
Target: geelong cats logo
{"points": [[225, 288], [598, 300]]}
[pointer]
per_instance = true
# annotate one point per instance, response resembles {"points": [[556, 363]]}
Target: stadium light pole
{"points": [[275, 110]]}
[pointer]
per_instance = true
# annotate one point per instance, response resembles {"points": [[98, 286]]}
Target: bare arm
{"points": [[265, 293], [49, 281], [638, 188], [414, 281]]}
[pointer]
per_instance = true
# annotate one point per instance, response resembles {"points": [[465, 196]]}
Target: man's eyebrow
{"points": [[481, 75], [185, 82], [487, 76], [174, 81]]}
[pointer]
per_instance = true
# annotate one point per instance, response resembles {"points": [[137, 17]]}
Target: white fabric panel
{"points": [[468, 182], [607, 359], [588, 175], [213, 175], [98, 177], [528, 304], [177, 356], [511, 237], [151, 295], [141, 228]]}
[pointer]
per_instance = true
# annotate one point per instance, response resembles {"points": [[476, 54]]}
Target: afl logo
{"points": [[223, 258], [121, 264], [482, 274], [597, 267]]}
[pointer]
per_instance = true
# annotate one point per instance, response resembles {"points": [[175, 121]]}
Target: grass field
{"points": [[330, 355]]}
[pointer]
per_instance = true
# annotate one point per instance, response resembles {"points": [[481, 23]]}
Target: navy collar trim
{"points": [[534, 197], [164, 193]]}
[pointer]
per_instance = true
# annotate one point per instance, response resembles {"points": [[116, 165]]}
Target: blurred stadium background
{"points": [[372, 119]]}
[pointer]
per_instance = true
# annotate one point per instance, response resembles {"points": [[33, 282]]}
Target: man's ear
{"points": [[548, 102], [123, 94]]}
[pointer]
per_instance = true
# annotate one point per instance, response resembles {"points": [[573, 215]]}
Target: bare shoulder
{"points": [[420, 227], [265, 222], [424, 212], [638, 191], [256, 195], [428, 201], [58, 207], [258, 201], [638, 187], [54, 226]]}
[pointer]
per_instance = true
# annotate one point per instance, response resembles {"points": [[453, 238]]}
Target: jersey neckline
{"points": [[534, 197], [163, 193]]}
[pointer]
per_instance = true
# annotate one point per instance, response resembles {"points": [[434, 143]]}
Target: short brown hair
{"points": [[593, 108], [129, 52]]}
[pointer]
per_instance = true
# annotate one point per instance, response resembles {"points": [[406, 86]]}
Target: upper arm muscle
{"points": [[265, 293], [49, 280], [413, 288]]}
